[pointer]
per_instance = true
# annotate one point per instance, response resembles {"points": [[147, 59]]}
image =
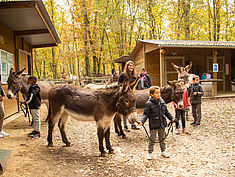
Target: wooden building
{"points": [[24, 25], [156, 57]]}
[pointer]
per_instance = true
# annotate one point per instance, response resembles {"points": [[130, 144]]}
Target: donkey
{"points": [[183, 72], [173, 92], [87, 105], [18, 83]]}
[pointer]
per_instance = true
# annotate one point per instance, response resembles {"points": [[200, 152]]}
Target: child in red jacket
{"points": [[180, 111]]}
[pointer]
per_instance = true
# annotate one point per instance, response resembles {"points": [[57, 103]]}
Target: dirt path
{"points": [[208, 151]]}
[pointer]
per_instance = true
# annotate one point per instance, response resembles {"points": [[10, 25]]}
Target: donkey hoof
{"points": [[124, 137], [50, 144], [111, 151], [103, 154], [68, 145]]}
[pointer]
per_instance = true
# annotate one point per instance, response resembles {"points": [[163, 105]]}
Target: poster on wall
{"points": [[215, 67]]}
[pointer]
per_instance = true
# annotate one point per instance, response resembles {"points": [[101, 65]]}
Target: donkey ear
{"points": [[134, 84], [18, 74], [11, 71], [177, 68], [188, 67], [171, 83], [125, 86]]}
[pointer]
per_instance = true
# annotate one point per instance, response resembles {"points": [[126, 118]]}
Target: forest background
{"points": [[95, 32]]}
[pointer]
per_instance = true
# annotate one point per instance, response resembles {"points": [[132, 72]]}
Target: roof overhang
{"points": [[183, 44], [30, 20], [123, 59]]}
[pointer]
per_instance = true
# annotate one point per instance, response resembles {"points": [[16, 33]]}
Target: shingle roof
{"points": [[179, 43]]}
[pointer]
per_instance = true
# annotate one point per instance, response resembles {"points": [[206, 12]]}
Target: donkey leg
{"points": [[116, 126], [120, 127], [61, 125], [100, 132], [50, 130], [51, 124], [107, 140]]}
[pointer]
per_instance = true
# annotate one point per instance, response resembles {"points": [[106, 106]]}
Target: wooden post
{"points": [[162, 67], [144, 58], [214, 84]]}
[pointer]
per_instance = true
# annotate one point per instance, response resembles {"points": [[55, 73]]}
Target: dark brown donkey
{"points": [[87, 105], [173, 92], [18, 83]]}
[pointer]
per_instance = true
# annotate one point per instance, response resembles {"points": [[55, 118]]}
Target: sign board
{"points": [[215, 67]]}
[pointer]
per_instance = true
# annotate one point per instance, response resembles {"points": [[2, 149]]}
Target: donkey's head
{"points": [[182, 71], [14, 83], [177, 92], [126, 103]]}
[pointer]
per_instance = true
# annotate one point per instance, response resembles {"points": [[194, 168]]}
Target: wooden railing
{"points": [[83, 80]]}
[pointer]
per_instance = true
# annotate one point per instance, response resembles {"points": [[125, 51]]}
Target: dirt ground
{"points": [[207, 151]]}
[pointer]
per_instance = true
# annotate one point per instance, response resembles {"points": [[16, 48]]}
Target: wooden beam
{"points": [[44, 45], [144, 57], [162, 68], [214, 84], [44, 21], [31, 32], [17, 4]]}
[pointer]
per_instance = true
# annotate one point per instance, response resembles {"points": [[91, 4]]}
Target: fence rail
{"points": [[83, 80]]}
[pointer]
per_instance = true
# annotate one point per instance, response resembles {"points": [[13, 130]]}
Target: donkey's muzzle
{"points": [[132, 117]]}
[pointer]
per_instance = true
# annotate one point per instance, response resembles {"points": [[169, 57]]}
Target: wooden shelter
{"points": [[156, 57], [24, 25]]}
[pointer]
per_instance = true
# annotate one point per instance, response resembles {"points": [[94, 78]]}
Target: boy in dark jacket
{"points": [[34, 101], [156, 110], [195, 92]]}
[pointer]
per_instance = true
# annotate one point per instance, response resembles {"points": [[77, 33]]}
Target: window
{"points": [[6, 62]]}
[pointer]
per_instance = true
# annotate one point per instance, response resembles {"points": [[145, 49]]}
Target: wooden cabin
{"points": [[156, 57], [24, 25]]}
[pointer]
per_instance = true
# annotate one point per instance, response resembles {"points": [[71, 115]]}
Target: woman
{"points": [[145, 80], [129, 72]]}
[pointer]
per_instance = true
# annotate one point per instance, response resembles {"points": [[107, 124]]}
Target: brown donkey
{"points": [[88, 105]]}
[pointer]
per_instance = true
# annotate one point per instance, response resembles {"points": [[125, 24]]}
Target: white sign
{"points": [[215, 67]]}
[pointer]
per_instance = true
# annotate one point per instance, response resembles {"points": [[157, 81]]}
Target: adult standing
{"points": [[2, 114], [144, 81], [129, 72]]}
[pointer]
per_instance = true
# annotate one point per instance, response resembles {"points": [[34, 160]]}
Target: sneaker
{"points": [[164, 154], [192, 123], [185, 131], [37, 135], [32, 133], [4, 133], [134, 127], [126, 129], [196, 124], [177, 131], [149, 156]]}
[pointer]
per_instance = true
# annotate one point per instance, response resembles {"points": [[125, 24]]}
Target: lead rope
{"points": [[166, 134]]}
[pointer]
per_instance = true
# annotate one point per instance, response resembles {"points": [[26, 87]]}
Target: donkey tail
{"points": [[49, 112]]}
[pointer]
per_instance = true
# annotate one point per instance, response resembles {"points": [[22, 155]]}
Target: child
{"points": [[180, 111], [195, 93], [2, 114], [156, 110], [34, 101]]}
